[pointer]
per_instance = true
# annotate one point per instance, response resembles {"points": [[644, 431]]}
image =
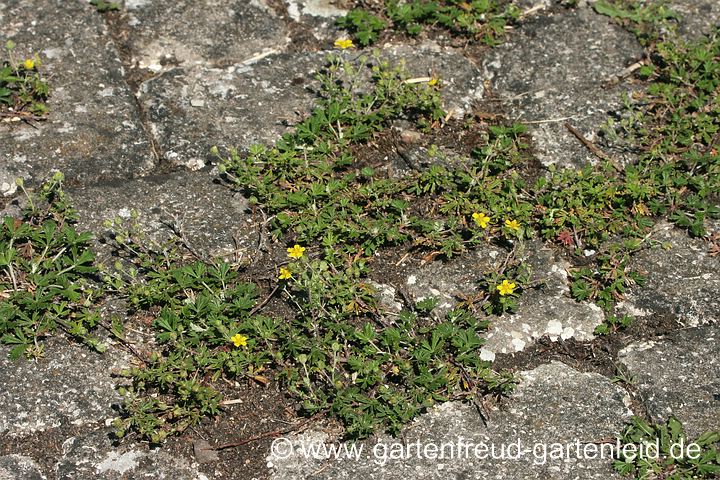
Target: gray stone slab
{"points": [[208, 213], [297, 9], [679, 374], [94, 456], [70, 385], [551, 406], [682, 279], [192, 108], [551, 71], [313, 23], [93, 131], [14, 467], [546, 311], [697, 17], [444, 281], [211, 32]]}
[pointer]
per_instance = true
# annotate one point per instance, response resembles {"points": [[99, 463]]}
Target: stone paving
{"points": [[139, 98]]}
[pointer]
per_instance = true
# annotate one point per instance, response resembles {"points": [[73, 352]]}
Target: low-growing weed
{"points": [[23, 91], [339, 352], [664, 451], [484, 20], [47, 275], [103, 7], [647, 20]]}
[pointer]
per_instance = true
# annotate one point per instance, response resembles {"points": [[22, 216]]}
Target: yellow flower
{"points": [[285, 274], [481, 219], [506, 288], [512, 224], [343, 43], [239, 340], [29, 64], [433, 81], [296, 251]]}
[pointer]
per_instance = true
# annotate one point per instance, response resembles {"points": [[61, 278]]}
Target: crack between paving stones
{"points": [[117, 25]]}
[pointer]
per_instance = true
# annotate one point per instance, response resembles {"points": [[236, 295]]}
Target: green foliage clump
{"points": [[371, 373], [646, 20], [103, 7], [47, 275], [675, 127], [484, 20], [664, 451], [23, 91]]}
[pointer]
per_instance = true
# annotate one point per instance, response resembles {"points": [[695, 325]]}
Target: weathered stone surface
{"points": [[551, 405], [545, 310], [682, 279], [71, 385], [93, 131], [14, 467], [314, 8], [93, 456], [679, 375], [211, 32], [552, 71], [195, 107], [206, 213], [447, 281], [697, 17], [548, 310]]}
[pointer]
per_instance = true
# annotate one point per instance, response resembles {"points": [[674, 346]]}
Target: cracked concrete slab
{"points": [[546, 311], [70, 385], [163, 35], [314, 8], [682, 279], [13, 467], [93, 131], [94, 456], [552, 71], [550, 406], [207, 213], [192, 108], [697, 17], [679, 374]]}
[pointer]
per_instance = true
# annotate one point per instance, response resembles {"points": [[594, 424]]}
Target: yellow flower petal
{"points": [[296, 251], [343, 43], [29, 64], [512, 224], [239, 340], [506, 288], [285, 274], [481, 219]]}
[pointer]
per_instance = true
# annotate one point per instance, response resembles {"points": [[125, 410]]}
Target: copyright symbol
{"points": [[281, 448]]}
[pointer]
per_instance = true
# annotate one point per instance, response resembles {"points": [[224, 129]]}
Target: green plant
{"points": [[645, 19], [47, 275], [102, 6], [481, 19], [664, 451], [372, 372], [23, 91], [674, 126], [364, 25], [339, 352]]}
